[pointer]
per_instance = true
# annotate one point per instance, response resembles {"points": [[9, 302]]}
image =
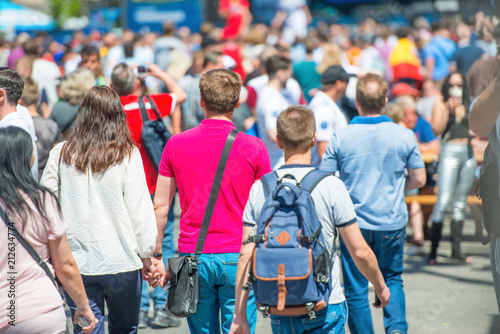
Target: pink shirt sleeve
{"points": [[166, 169], [263, 166]]}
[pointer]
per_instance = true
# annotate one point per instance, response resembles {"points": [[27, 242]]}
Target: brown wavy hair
{"points": [[101, 136]]}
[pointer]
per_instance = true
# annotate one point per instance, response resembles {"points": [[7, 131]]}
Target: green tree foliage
{"points": [[62, 10]]}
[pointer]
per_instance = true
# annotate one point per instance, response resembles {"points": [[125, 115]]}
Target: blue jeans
{"points": [[330, 320], [122, 294], [217, 274], [388, 248], [159, 296]]}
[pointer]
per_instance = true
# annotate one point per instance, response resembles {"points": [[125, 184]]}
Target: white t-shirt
{"points": [[22, 119], [333, 206], [46, 73], [295, 24], [269, 105], [329, 119], [292, 92]]}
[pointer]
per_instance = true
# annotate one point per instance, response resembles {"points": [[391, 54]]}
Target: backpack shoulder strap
{"points": [[154, 107], [269, 181], [142, 109], [312, 179]]}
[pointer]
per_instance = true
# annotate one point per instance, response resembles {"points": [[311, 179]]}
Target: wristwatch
{"points": [[158, 255]]}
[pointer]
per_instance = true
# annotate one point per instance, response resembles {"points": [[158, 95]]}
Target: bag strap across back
{"points": [[144, 112], [214, 193], [27, 246]]}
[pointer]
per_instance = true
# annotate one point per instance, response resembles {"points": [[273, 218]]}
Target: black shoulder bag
{"points": [[12, 227], [154, 135], [183, 293]]}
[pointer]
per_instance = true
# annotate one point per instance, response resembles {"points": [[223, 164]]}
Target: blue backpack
{"points": [[291, 266]]}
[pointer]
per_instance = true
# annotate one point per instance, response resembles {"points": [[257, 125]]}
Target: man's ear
{"points": [[202, 103], [237, 105], [137, 84], [313, 141], [278, 141], [280, 75], [3, 97]]}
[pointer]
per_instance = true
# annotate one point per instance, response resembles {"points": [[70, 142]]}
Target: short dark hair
{"points": [[168, 29], [12, 83], [123, 80], [211, 57], [220, 90], [30, 47], [296, 127], [403, 32], [436, 26], [275, 64], [90, 50], [496, 33], [371, 93]]}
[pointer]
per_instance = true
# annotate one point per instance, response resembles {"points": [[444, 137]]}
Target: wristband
{"points": [[158, 255]]}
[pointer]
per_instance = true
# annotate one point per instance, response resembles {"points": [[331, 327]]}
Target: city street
{"points": [[447, 298]]}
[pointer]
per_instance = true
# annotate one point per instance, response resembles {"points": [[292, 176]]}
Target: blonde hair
{"points": [[394, 112], [331, 57], [76, 85], [30, 92], [296, 127]]}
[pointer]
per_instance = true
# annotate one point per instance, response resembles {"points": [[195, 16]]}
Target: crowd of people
{"points": [[362, 102]]}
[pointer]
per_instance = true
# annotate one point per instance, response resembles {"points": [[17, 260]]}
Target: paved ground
{"points": [[447, 298]]}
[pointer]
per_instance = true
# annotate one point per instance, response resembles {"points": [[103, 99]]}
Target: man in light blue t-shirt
{"points": [[377, 160], [438, 54]]}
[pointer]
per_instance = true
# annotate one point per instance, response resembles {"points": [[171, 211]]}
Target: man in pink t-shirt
{"points": [[189, 162]]}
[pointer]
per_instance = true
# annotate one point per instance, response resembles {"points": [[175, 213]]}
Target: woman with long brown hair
{"points": [[98, 176]]}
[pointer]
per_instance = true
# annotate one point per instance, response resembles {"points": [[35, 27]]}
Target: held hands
{"points": [[384, 295], [150, 272], [153, 271]]}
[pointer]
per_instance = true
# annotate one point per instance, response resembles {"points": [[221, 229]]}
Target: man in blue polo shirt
{"points": [[377, 160]]}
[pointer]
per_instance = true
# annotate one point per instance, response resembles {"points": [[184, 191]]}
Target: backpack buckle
{"points": [[322, 279], [258, 238], [265, 311], [310, 309], [251, 280]]}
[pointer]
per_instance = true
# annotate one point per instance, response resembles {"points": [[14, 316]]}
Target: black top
{"points": [[455, 129]]}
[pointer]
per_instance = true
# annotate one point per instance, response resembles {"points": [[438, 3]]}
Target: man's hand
{"points": [[384, 296], [158, 278], [150, 273], [239, 326], [155, 71]]}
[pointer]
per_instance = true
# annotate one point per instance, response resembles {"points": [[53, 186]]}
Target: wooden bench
{"points": [[432, 199]]}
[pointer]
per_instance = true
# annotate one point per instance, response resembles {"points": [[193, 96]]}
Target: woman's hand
{"points": [[454, 102], [86, 312]]}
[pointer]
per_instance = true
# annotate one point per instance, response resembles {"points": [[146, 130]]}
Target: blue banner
{"points": [[149, 15]]}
